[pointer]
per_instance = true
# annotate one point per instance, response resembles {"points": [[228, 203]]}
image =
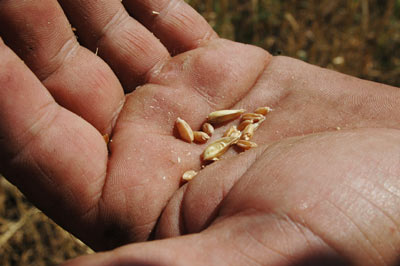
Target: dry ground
{"points": [[357, 37]]}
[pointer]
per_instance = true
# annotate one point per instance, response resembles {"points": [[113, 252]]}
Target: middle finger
{"points": [[128, 47]]}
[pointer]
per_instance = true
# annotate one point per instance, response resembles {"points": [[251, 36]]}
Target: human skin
{"points": [[322, 186]]}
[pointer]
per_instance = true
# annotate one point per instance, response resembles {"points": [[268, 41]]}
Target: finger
{"points": [[180, 251], [187, 250], [78, 80], [179, 27], [56, 158], [127, 46], [248, 239]]}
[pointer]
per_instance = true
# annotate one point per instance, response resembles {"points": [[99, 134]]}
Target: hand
{"points": [[309, 190]]}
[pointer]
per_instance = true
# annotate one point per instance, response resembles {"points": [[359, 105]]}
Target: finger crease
{"points": [[37, 126], [56, 62], [117, 19], [171, 5]]}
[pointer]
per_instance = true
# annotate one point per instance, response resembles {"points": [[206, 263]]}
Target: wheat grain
{"points": [[253, 117], [222, 116], [244, 124], [185, 131], [246, 145], [232, 132], [208, 129], [189, 175], [106, 138], [248, 132], [263, 110], [218, 148], [200, 137]]}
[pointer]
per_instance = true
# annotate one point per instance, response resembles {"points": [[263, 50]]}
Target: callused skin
{"points": [[308, 191]]}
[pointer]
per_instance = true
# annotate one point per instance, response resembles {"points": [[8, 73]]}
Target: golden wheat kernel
{"points": [[246, 145], [236, 134], [248, 132], [222, 116], [232, 132], [200, 137], [253, 117], [189, 175], [218, 147], [208, 129], [244, 124], [106, 138], [185, 131], [261, 120], [263, 110]]}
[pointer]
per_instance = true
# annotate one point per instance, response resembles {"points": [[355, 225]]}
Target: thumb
{"points": [[193, 249], [224, 243]]}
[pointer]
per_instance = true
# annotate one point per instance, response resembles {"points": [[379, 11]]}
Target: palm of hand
{"points": [[300, 190]]}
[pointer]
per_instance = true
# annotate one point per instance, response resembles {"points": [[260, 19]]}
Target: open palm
{"points": [[324, 179]]}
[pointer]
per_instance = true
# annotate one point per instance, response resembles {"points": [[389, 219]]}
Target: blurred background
{"points": [[356, 37]]}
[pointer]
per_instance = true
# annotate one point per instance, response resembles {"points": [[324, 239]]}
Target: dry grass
{"points": [[357, 37], [28, 237]]}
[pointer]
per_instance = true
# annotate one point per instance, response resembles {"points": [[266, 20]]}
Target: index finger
{"points": [[179, 27]]}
